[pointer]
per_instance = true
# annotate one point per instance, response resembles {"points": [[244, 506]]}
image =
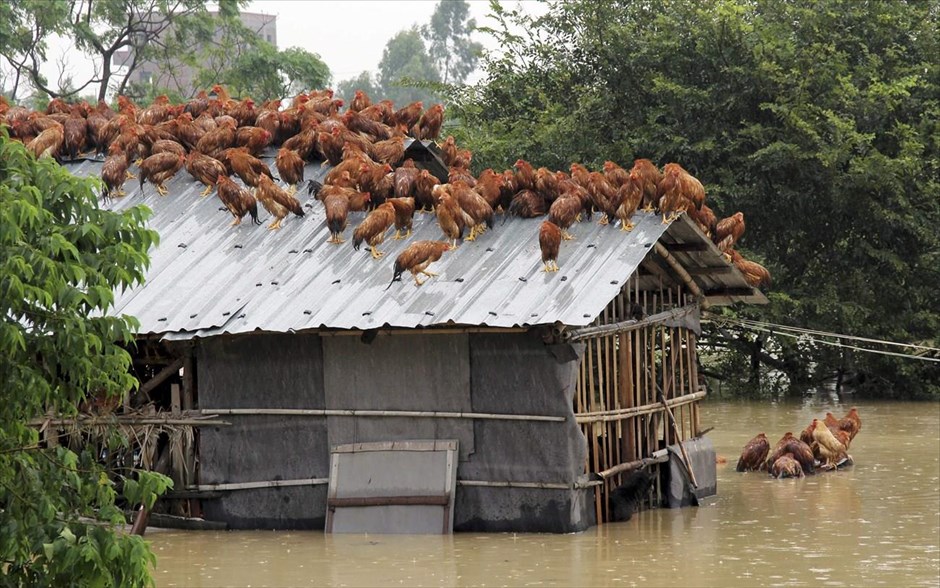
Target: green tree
{"points": [[61, 259], [346, 89], [405, 60], [818, 120], [454, 53], [264, 73], [98, 28]]}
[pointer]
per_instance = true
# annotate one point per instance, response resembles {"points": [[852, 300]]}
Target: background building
{"points": [[178, 76]]}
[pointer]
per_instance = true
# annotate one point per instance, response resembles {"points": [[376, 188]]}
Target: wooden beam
{"points": [[686, 247], [628, 325], [721, 292], [160, 377], [710, 270], [680, 271]]}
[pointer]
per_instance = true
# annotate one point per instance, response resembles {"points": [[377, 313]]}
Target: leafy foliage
{"points": [[61, 259], [454, 53], [412, 70], [98, 28], [406, 58], [817, 120]]}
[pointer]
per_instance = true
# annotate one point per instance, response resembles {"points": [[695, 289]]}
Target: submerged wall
{"points": [[513, 373]]}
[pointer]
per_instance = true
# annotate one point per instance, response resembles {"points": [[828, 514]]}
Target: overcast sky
{"points": [[349, 35]]}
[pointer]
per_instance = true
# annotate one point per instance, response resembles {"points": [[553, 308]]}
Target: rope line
{"points": [[804, 334]]}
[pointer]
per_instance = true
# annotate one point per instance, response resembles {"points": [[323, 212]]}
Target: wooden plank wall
{"points": [[627, 371]]}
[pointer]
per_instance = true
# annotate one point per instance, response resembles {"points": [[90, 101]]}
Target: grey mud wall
{"points": [[513, 373]]}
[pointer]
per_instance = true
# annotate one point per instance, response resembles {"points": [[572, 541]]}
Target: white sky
{"points": [[348, 35]]}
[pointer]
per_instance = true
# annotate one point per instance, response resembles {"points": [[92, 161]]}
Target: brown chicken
{"points": [[786, 467], [549, 243], [603, 196], [424, 185], [371, 174], [337, 211], [616, 175], [754, 273], [450, 216], [390, 151], [255, 139], [705, 219], [478, 214], [214, 142], [692, 189], [830, 449], [408, 116], [277, 201], [563, 212], [489, 186], [290, 166], [547, 184], [525, 175], [527, 204], [48, 143], [159, 168], [416, 258], [851, 423], [429, 125], [629, 196], [383, 112], [404, 216], [114, 174], [331, 145], [248, 167], [375, 130], [359, 102], [237, 200], [728, 231], [754, 454], [167, 146], [449, 151], [672, 199], [651, 177], [372, 229], [75, 133], [405, 177], [205, 169]]}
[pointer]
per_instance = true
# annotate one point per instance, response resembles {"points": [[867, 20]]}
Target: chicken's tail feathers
{"points": [[313, 187], [489, 221], [357, 242], [140, 176], [397, 276], [253, 211]]}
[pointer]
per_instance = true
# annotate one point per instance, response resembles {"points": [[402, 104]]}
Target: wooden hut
{"points": [[272, 347]]}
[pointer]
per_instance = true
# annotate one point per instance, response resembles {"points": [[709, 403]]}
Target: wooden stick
{"points": [[159, 378], [264, 484], [383, 413], [628, 325], [130, 420], [633, 465]]}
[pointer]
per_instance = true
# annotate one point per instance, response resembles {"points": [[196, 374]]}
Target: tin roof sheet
{"points": [[208, 278]]}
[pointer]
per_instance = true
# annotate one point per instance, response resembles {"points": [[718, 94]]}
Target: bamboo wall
{"points": [[617, 402]]}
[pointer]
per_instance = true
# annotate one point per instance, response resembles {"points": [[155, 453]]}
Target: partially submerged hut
{"points": [[275, 346]]}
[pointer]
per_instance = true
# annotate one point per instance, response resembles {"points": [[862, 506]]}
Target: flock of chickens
{"points": [[215, 137], [824, 444]]}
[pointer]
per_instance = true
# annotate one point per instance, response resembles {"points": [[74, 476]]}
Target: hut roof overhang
{"points": [[207, 278]]}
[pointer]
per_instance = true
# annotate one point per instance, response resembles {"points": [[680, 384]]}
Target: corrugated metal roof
{"points": [[208, 278]]}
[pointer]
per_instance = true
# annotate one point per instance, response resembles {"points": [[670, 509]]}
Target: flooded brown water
{"points": [[874, 524]]}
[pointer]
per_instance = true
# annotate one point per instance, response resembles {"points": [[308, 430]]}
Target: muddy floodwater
{"points": [[874, 524]]}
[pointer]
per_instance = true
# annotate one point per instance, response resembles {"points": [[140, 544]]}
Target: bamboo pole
{"points": [[207, 421], [383, 413], [256, 485], [632, 465], [624, 326]]}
